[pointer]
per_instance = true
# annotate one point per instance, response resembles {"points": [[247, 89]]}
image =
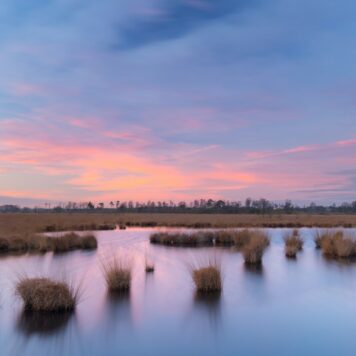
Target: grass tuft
{"points": [[117, 275], [73, 241], [207, 277], [149, 266], [44, 294], [255, 247], [293, 244], [336, 245]]}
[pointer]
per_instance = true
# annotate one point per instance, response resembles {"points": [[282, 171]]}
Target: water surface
{"points": [[288, 307]]}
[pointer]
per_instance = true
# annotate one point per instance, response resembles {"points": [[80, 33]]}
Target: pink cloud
{"points": [[136, 165]]}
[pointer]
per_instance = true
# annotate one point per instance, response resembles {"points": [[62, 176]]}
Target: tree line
{"points": [[249, 206]]}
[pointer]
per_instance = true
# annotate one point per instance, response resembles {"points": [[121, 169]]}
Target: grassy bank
{"points": [[12, 224]]}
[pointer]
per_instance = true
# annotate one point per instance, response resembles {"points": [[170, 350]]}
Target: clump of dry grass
{"points": [[200, 238], [73, 241], [319, 237], [293, 244], [336, 245], [118, 275], [207, 278], [149, 266], [237, 238], [242, 237], [44, 294], [89, 242], [42, 243], [255, 247]]}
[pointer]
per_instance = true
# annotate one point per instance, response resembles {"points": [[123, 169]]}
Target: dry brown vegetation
{"points": [[20, 224], [42, 243], [149, 266], [255, 247], [320, 236], [117, 275], [207, 278], [236, 238], [43, 294], [238, 220], [337, 245], [73, 241], [293, 244]]}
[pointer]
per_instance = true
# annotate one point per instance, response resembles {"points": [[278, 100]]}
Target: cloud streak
{"points": [[177, 99]]}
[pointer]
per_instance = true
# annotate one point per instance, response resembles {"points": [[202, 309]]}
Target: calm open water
{"points": [[290, 307]]}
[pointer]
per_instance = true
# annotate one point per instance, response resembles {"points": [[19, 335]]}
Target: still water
{"points": [[289, 307]]}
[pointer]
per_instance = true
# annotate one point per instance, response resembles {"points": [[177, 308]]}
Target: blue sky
{"points": [[177, 99]]}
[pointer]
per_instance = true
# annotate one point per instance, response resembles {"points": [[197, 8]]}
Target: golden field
{"points": [[20, 223]]}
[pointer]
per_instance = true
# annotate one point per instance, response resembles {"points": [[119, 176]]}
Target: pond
{"points": [[304, 307]]}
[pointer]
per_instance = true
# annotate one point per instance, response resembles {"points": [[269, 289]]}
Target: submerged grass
{"points": [[46, 295]]}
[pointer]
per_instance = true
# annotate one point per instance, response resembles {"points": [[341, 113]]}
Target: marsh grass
{"points": [[149, 266], [207, 275], [45, 295], [200, 238], [319, 236], [226, 238], [255, 247], [293, 244], [42, 243], [338, 246], [118, 274]]}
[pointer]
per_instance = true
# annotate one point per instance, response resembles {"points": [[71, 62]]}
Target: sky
{"points": [[177, 99]]}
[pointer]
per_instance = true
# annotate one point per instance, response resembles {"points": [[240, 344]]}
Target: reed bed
{"points": [[117, 274], [293, 244], [320, 236], [42, 243], [46, 295], [337, 245], [255, 247], [227, 238], [73, 241]]}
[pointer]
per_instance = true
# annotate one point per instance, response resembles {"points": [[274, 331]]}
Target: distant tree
{"points": [[288, 206], [90, 205], [111, 205], [182, 204], [248, 202], [101, 205], [220, 204]]}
